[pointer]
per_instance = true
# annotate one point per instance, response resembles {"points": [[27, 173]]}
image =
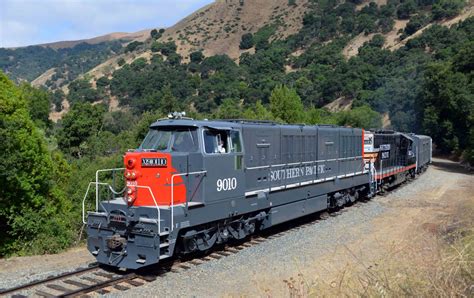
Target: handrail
{"points": [[97, 181], [116, 192], [85, 197], [156, 205], [172, 192]]}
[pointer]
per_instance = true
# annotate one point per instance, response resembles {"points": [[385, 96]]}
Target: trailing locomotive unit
{"points": [[192, 184], [396, 157]]}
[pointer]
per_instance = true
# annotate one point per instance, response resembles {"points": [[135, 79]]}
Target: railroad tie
{"points": [[148, 278], [195, 262], [75, 283], [184, 266], [88, 278], [102, 291], [58, 288], [44, 294], [223, 253], [134, 283], [121, 288], [104, 274]]}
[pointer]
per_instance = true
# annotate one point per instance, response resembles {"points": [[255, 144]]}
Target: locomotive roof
{"points": [[194, 123], [227, 124]]}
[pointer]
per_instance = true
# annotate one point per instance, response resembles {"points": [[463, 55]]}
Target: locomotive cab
{"points": [[151, 169]]}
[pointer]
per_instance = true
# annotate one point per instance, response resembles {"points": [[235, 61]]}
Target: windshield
{"points": [[171, 139]]}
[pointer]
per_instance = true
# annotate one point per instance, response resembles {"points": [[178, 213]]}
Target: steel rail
{"points": [[49, 279], [102, 284]]}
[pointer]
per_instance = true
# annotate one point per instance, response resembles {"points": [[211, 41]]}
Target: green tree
{"points": [[363, 117], [286, 105], [155, 47], [168, 102], [81, 91], [133, 46], [257, 112], [121, 62], [80, 123], [168, 48], [447, 8], [155, 34], [229, 109], [196, 56], [246, 41], [33, 210], [39, 103], [448, 107], [405, 9]]}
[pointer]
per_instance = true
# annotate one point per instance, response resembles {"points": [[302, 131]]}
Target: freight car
{"points": [[423, 151], [193, 184]]}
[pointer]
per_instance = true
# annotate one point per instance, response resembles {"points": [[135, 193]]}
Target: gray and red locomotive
{"points": [[193, 184]]}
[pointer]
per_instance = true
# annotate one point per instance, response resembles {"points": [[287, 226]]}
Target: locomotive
{"points": [[193, 184]]}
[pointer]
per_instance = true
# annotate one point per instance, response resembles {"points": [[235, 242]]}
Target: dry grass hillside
{"points": [[392, 38], [139, 36], [218, 27]]}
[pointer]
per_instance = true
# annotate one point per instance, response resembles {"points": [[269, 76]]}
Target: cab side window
{"points": [[216, 142], [236, 141]]}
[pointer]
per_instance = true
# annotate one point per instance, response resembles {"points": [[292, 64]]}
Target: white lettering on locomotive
{"points": [[291, 173], [226, 184]]}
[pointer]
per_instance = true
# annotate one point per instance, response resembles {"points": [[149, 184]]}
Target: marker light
{"points": [[131, 175], [131, 163]]}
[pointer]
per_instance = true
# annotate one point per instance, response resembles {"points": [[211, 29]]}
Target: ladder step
{"points": [[165, 244], [164, 256]]}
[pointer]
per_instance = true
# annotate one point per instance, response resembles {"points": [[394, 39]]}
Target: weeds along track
{"points": [[95, 279]]}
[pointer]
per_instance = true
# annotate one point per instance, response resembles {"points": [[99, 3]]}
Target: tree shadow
{"points": [[450, 166]]}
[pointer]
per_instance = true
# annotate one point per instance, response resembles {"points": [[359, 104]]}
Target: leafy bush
{"points": [[247, 41], [81, 91], [447, 8], [80, 123], [133, 46], [285, 104], [196, 56], [34, 211]]}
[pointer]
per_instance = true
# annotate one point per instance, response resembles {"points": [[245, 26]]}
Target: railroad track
{"points": [[87, 282]]}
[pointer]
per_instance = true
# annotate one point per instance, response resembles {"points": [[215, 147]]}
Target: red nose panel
{"points": [[150, 173]]}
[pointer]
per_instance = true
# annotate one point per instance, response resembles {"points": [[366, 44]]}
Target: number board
{"points": [[154, 162]]}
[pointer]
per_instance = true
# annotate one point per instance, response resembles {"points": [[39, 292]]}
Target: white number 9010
{"points": [[226, 184]]}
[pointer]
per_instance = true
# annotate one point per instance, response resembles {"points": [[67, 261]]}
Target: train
{"points": [[194, 184]]}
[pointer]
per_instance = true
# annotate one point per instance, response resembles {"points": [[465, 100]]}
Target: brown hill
{"points": [[218, 27], [139, 36]]}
